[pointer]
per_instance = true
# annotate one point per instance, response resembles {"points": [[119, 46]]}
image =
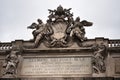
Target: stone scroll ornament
{"points": [[99, 58], [60, 29], [10, 64]]}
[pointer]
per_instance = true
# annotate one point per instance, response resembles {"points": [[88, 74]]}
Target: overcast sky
{"points": [[16, 15]]}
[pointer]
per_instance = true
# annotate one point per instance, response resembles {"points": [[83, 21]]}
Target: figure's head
{"points": [[60, 8], [77, 19], [49, 20], [39, 21]]}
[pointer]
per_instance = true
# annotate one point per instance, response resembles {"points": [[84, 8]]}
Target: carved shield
{"points": [[59, 30]]}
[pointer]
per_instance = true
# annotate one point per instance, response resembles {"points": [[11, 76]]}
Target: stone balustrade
{"points": [[5, 46], [114, 43]]}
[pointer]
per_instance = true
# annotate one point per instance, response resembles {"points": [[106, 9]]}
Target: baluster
{"points": [[5, 46], [110, 44], [114, 43], [119, 44], [10, 47], [0, 47]]}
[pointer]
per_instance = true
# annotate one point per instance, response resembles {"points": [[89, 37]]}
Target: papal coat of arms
{"points": [[60, 29]]}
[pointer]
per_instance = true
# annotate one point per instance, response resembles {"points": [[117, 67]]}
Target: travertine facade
{"points": [[59, 50]]}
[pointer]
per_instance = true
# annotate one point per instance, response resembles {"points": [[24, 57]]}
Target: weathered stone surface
{"points": [[60, 50], [1, 63], [117, 65], [56, 66]]}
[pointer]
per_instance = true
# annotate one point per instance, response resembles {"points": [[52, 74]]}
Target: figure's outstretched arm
{"points": [[86, 23], [51, 11], [32, 26]]}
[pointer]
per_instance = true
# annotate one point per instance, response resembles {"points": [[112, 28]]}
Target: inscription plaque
{"points": [[56, 66]]}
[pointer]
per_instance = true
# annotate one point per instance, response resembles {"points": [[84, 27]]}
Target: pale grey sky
{"points": [[16, 15]]}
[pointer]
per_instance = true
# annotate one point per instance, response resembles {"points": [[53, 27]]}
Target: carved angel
{"points": [[78, 29], [39, 31], [98, 62], [11, 63]]}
